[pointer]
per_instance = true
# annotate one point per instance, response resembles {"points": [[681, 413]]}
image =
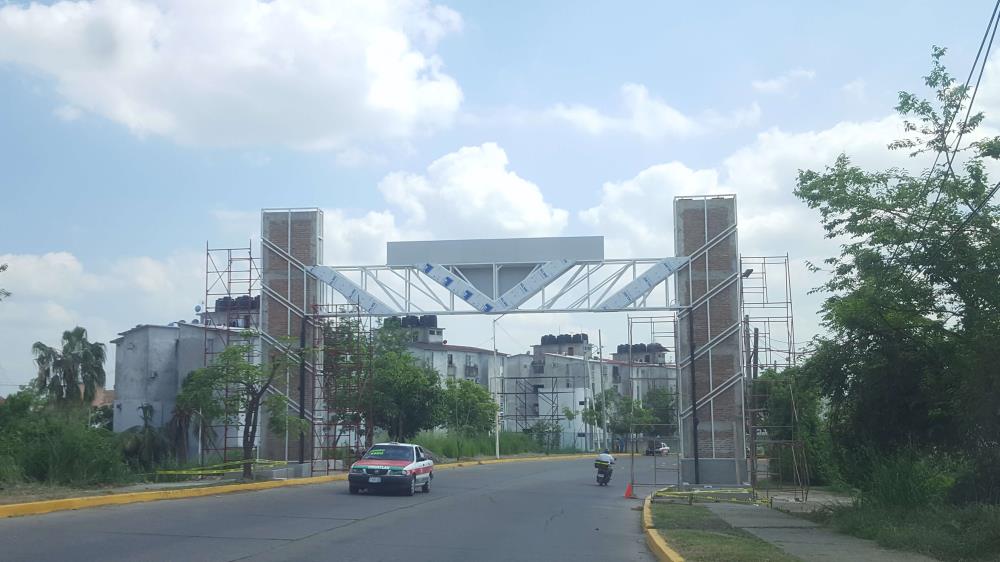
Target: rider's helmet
{"points": [[605, 451]]}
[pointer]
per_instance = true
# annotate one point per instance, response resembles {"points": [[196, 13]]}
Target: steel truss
{"points": [[555, 286]]}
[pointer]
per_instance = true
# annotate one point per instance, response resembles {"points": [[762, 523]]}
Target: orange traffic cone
{"points": [[628, 491]]}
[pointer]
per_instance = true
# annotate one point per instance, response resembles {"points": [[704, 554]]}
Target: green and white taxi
{"points": [[392, 466]]}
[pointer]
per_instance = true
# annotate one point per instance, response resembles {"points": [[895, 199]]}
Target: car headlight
{"points": [[356, 470], [397, 471]]}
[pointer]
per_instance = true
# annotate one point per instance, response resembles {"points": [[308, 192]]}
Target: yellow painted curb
{"points": [[48, 506], [654, 540]]}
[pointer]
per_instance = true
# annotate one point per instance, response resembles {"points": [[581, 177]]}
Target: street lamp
{"points": [[496, 391]]}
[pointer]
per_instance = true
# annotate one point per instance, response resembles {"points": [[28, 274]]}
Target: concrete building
{"points": [[428, 345], [557, 377], [644, 368], [151, 363]]}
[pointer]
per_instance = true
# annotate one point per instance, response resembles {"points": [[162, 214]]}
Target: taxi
{"points": [[392, 466]]}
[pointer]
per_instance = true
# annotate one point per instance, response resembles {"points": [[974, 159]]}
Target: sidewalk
{"points": [[805, 539]]}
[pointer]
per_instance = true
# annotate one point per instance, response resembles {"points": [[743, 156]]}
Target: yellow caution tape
{"points": [[221, 468]]}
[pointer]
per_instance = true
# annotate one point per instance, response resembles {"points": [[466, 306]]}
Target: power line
{"points": [[973, 214], [991, 25]]}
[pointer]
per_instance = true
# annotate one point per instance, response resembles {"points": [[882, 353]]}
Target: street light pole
{"points": [[496, 393]]}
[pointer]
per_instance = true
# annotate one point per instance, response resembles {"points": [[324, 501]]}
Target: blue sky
{"points": [[131, 132]]}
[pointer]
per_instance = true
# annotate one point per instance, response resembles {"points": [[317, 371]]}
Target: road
{"points": [[547, 510]]}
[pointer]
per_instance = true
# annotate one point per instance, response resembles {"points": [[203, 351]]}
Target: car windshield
{"points": [[390, 453]]}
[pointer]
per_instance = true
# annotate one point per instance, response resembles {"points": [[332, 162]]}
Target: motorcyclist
{"points": [[604, 463]]}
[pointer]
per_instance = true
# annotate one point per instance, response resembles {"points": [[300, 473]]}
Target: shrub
{"points": [[907, 479], [56, 446]]}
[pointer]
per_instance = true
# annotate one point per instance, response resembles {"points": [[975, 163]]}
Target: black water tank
{"points": [[655, 347], [622, 348], [577, 338], [411, 322], [428, 321], [584, 337], [564, 338]]}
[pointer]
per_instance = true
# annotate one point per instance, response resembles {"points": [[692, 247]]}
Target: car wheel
{"points": [[354, 489], [413, 486]]}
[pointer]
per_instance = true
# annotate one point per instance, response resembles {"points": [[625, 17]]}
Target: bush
{"points": [[969, 532], [56, 446], [907, 479]]}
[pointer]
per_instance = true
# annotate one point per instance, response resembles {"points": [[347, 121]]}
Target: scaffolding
{"points": [[343, 344], [776, 451], [232, 306], [655, 332], [553, 382]]}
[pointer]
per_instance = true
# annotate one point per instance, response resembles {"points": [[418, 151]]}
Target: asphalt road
{"points": [[548, 510]]}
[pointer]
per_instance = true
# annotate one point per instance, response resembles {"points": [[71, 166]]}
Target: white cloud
{"points": [[634, 214], [54, 292], [68, 113], [47, 275], [854, 89], [296, 73], [472, 193], [649, 117], [782, 84], [360, 240], [469, 193]]}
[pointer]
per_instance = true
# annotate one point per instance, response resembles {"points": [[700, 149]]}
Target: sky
{"points": [[132, 132]]}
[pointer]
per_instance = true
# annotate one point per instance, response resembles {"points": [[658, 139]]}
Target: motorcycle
{"points": [[603, 473]]}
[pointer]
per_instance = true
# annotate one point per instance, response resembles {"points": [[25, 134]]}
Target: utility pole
{"points": [[604, 396], [756, 349], [302, 388], [694, 397], [496, 392]]}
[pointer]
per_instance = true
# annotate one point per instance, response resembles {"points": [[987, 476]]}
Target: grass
{"points": [[697, 534], [952, 533]]}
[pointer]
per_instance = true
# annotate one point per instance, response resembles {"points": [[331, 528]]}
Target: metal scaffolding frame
{"points": [[666, 468], [232, 305], [343, 348], [777, 456]]}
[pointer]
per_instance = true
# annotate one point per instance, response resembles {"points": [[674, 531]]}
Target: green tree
{"points": [[662, 406], [468, 410], [913, 311], [235, 391], [102, 417], [622, 415], [145, 446], [793, 410], [79, 362], [405, 397]]}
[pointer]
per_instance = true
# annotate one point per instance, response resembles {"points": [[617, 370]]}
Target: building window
{"points": [[569, 351], [451, 360], [468, 360]]}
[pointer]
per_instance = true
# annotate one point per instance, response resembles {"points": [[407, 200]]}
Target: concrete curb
{"points": [[654, 540], [49, 506]]}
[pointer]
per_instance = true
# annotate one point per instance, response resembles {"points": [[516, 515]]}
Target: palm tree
{"points": [[79, 362]]}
